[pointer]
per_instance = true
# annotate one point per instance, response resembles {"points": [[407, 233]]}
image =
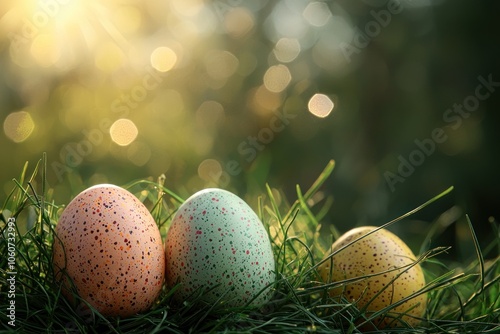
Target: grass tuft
{"points": [[462, 299]]}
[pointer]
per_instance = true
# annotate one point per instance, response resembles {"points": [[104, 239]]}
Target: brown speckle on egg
{"points": [[95, 248]]}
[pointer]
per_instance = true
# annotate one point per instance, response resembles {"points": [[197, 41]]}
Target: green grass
{"points": [[463, 298]]}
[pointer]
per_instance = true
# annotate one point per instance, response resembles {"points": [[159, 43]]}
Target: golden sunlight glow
{"points": [[287, 49], [320, 105], [109, 57], [188, 8], [45, 50], [277, 78], [123, 132], [18, 126], [64, 13], [127, 19], [60, 32], [163, 59]]}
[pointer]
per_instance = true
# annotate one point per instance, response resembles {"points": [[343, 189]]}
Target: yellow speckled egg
{"points": [[217, 245], [393, 273], [109, 245]]}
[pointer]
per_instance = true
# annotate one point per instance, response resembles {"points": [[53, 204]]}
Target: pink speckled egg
{"points": [[110, 247], [217, 243]]}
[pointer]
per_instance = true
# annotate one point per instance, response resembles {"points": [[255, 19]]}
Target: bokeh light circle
{"points": [[287, 49], [320, 105], [18, 126], [277, 78], [123, 132], [163, 59]]}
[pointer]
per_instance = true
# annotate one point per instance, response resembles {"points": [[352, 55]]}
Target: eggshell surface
{"points": [[217, 242], [395, 275], [110, 246]]}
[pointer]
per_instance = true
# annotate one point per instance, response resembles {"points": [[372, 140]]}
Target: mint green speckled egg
{"points": [[217, 243]]}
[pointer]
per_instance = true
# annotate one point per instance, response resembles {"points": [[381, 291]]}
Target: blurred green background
{"points": [[234, 94]]}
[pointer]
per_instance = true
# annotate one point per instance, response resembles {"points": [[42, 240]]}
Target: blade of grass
{"points": [[478, 253], [22, 177], [172, 194], [409, 213], [305, 207], [273, 203], [325, 174]]}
